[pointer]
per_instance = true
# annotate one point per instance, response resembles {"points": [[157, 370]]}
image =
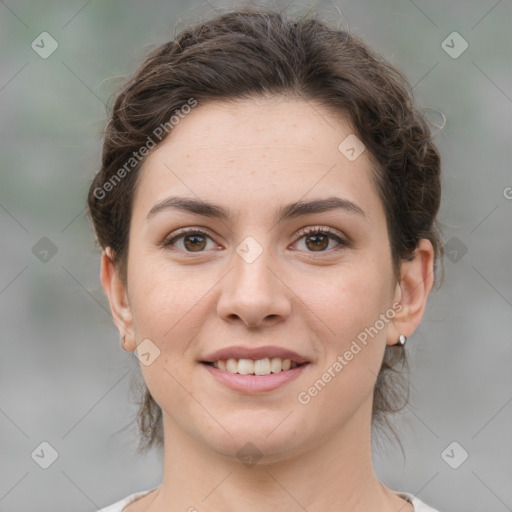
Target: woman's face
{"points": [[256, 279]]}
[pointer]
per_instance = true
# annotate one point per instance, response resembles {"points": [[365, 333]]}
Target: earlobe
{"points": [[115, 290], [416, 281]]}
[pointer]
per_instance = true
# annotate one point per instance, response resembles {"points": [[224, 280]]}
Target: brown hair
{"points": [[249, 53]]}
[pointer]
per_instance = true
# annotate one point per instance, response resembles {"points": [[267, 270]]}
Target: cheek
{"points": [[348, 299], [355, 305], [160, 295], [170, 306], [353, 347]]}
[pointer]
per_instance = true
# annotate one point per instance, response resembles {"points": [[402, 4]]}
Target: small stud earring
{"points": [[401, 340]]}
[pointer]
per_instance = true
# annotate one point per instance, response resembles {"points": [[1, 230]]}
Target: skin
{"points": [[254, 156]]}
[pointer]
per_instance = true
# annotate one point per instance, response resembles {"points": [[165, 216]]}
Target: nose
{"points": [[254, 293]]}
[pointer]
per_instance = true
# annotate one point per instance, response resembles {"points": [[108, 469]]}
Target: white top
{"points": [[418, 505]]}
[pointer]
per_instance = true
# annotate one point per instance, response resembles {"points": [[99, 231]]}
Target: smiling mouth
{"points": [[262, 367]]}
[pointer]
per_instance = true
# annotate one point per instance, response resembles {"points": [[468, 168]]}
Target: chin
{"points": [[251, 450], [262, 442]]}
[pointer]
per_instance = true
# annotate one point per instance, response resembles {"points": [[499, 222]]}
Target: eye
{"points": [[189, 240], [317, 239]]}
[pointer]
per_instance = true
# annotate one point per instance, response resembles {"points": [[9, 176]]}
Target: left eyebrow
{"points": [[299, 208], [290, 211]]}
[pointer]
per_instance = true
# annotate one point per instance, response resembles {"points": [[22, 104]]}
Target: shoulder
{"points": [[418, 505], [118, 506]]}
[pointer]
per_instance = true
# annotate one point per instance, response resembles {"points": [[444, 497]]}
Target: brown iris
{"points": [[321, 242], [195, 242]]}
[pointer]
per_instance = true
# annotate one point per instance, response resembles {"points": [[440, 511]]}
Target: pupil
{"points": [[198, 242], [323, 240]]}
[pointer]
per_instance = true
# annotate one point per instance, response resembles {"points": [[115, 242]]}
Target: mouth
{"points": [[261, 367], [252, 377], [252, 370]]}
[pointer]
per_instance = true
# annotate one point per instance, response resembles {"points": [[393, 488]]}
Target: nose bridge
{"points": [[252, 264], [252, 291], [251, 273]]}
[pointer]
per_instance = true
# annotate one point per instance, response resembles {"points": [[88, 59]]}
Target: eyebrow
{"points": [[290, 211]]}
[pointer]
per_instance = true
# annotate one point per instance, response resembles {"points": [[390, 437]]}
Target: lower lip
{"points": [[254, 383]]}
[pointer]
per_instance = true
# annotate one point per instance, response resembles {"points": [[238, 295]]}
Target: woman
{"points": [[266, 208]]}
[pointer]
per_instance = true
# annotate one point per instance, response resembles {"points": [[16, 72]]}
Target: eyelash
{"points": [[311, 231]]}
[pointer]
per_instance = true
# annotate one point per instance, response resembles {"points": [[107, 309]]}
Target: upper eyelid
{"points": [[312, 229]]}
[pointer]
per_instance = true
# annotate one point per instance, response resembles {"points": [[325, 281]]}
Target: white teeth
{"points": [[232, 365], [264, 366], [245, 366], [275, 364]]}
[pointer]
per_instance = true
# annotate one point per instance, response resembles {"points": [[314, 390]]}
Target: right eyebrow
{"points": [[196, 206], [290, 211]]}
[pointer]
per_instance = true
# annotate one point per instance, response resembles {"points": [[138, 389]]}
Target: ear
{"points": [[118, 299], [416, 281]]}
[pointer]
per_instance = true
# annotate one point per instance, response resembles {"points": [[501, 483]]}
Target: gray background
{"points": [[64, 378]]}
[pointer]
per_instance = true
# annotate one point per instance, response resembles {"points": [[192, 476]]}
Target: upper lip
{"points": [[254, 353]]}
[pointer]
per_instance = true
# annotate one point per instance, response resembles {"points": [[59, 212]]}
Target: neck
{"points": [[331, 474]]}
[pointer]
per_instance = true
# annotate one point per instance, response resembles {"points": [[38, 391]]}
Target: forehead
{"points": [[259, 123], [258, 149]]}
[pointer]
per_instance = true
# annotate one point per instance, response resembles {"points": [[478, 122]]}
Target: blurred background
{"points": [[66, 385]]}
